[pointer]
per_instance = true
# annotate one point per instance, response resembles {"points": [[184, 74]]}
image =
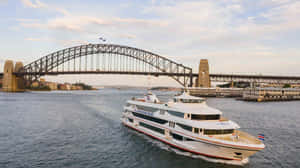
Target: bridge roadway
{"points": [[213, 77]]}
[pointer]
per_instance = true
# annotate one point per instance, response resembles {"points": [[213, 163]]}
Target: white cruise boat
{"points": [[187, 123]]}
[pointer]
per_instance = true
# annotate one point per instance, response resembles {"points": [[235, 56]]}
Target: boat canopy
{"points": [[200, 109], [186, 98]]}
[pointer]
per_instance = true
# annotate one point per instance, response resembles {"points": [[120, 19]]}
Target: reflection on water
{"points": [[83, 129]]}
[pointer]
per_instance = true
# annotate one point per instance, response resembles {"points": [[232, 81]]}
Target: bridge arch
{"points": [[121, 58]]}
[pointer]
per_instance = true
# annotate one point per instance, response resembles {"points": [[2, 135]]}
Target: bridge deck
{"points": [[253, 76], [214, 77]]}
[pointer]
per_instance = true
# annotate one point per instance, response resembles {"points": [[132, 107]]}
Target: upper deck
{"points": [[183, 103], [194, 114]]}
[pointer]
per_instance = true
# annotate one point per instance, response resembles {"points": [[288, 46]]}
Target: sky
{"points": [[236, 36]]}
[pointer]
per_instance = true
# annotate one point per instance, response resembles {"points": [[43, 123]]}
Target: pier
{"points": [[270, 94], [215, 92], [249, 94]]}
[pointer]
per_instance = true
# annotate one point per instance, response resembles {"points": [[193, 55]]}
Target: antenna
{"points": [[102, 39]]}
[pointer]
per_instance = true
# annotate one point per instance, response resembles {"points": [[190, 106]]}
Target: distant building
{"points": [[35, 84], [65, 86], [271, 94], [277, 85], [42, 80], [68, 86], [273, 85], [295, 85], [76, 87], [51, 85]]}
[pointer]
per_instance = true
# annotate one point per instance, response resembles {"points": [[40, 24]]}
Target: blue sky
{"points": [[237, 36]]}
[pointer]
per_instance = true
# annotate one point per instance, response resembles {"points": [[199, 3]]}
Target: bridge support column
{"points": [[203, 75], [20, 82], [12, 83]]}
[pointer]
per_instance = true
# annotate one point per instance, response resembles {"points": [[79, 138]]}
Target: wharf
{"points": [[249, 94], [270, 94], [215, 92]]}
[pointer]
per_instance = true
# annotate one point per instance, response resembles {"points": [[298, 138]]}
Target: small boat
{"points": [[189, 124]]}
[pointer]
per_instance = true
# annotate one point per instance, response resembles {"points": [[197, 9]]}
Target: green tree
{"points": [[286, 85], [84, 86], [40, 88]]}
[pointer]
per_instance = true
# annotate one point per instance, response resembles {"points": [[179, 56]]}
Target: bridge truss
{"points": [[106, 59]]}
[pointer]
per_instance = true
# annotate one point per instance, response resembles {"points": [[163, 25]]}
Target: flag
{"points": [[261, 137]]}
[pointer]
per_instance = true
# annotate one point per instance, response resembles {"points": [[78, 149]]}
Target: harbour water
{"points": [[83, 129]]}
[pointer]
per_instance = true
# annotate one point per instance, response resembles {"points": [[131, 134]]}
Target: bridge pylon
{"points": [[12, 83], [203, 75]]}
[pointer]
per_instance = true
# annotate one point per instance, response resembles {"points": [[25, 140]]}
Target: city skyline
{"points": [[235, 36]]}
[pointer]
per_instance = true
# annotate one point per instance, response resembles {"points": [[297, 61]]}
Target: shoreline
{"points": [[29, 90]]}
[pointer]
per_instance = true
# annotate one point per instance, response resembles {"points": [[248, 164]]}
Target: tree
{"points": [[287, 85]]}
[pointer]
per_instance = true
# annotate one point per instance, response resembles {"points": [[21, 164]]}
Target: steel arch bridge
{"points": [[106, 59]]}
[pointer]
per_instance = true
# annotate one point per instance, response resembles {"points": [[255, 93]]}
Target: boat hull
{"points": [[195, 147]]}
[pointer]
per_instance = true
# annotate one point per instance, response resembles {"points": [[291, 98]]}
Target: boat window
{"points": [[217, 132], [177, 114], [188, 128], [177, 137], [171, 124], [196, 130], [180, 138], [162, 112], [189, 100], [205, 117], [187, 139], [157, 120], [130, 120], [144, 108], [155, 129]]}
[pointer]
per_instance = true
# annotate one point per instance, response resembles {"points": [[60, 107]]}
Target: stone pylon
{"points": [[203, 76], [12, 83], [20, 87], [8, 81]]}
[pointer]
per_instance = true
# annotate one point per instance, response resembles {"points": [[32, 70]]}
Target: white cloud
{"points": [[183, 23], [65, 43], [32, 25], [40, 5], [30, 4], [27, 20], [128, 36], [34, 39], [80, 23], [282, 19], [72, 42]]}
